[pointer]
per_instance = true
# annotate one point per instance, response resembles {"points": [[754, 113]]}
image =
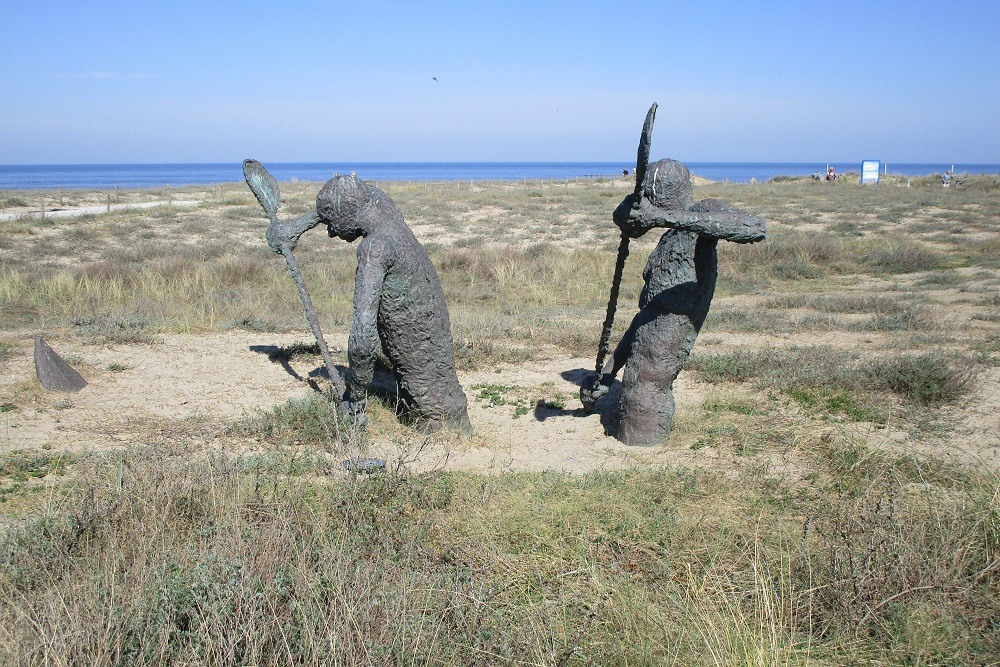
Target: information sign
{"points": [[869, 171]]}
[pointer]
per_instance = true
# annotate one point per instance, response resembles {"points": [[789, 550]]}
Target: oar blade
{"points": [[263, 186], [645, 141]]}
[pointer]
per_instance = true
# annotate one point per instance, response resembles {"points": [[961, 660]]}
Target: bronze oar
{"points": [[641, 162], [265, 188]]}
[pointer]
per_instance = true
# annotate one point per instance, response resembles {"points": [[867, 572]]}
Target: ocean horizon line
{"points": [[179, 174], [314, 162]]}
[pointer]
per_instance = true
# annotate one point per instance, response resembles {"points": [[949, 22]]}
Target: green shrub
{"points": [[928, 379], [311, 422], [842, 381]]}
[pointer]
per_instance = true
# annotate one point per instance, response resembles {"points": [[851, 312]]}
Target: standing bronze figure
{"points": [[680, 278]]}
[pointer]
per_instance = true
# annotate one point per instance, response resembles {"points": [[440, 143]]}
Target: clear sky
{"points": [[216, 81]]}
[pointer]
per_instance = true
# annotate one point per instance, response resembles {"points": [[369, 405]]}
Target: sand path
{"points": [[93, 210]]}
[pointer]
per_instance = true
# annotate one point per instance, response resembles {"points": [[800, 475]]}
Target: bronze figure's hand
{"points": [[626, 219], [589, 394], [279, 238]]}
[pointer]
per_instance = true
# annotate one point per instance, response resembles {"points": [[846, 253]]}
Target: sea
{"points": [[110, 176]]}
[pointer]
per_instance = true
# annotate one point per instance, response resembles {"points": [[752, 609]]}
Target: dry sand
{"points": [[211, 380], [194, 386], [77, 211]]}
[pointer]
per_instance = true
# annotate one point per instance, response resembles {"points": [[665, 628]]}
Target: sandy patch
{"points": [[77, 211], [194, 385], [216, 378], [525, 417]]}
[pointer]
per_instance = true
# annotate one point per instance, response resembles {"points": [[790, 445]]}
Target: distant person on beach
{"points": [[946, 179], [831, 174]]}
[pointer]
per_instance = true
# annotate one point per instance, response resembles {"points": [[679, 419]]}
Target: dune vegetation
{"points": [[851, 515]]}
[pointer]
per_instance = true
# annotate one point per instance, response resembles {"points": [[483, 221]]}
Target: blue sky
{"points": [[900, 81]]}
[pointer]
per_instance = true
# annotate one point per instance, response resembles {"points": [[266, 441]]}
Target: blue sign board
{"points": [[869, 171]]}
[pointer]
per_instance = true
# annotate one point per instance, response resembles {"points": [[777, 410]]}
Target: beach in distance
{"points": [[69, 176]]}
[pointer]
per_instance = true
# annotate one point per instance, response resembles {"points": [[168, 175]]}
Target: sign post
{"points": [[869, 171]]}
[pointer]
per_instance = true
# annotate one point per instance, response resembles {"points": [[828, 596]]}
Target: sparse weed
{"points": [[21, 465], [496, 395], [114, 328]]}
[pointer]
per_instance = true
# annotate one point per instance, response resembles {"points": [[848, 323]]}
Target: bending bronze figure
{"points": [[398, 304]]}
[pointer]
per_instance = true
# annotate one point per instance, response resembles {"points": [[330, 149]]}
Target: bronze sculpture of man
{"points": [[680, 278], [398, 303]]}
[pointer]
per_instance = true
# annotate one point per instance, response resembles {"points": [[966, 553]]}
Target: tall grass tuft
{"points": [[902, 563], [838, 381]]}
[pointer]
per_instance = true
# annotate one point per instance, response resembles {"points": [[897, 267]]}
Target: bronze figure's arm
{"points": [[363, 341], [286, 233], [709, 217]]}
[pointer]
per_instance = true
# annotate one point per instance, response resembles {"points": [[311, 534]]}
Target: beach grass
{"points": [[162, 555], [869, 312]]}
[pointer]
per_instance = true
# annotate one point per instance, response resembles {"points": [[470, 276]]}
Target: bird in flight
{"points": [[435, 78]]}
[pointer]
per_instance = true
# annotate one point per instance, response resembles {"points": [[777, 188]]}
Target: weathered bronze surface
{"points": [[398, 304], [680, 279], [52, 370]]}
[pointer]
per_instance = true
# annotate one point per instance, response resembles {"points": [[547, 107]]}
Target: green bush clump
{"points": [[310, 421], [928, 379], [842, 381]]}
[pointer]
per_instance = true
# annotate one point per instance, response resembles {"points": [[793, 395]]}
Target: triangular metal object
{"points": [[53, 371]]}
